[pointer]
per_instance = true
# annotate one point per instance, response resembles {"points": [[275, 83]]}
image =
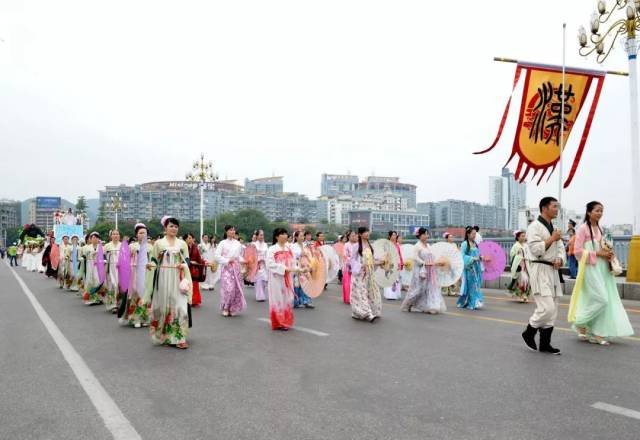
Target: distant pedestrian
{"points": [[519, 277], [596, 310], [366, 302], [12, 252], [573, 261]]}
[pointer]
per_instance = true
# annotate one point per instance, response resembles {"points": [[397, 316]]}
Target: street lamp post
{"points": [[626, 28], [117, 205], [201, 173]]}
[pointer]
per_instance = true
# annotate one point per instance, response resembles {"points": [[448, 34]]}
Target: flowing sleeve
{"points": [[466, 257], [219, 257], [535, 242], [273, 265], [578, 247], [184, 250], [354, 262], [416, 256]]}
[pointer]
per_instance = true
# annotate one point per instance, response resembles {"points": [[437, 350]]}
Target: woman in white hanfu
{"points": [[172, 288], [424, 293], [262, 276]]}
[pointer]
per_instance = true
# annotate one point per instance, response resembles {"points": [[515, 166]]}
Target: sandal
{"points": [[182, 345], [599, 340]]}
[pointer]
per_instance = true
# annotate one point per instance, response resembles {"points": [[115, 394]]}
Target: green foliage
{"points": [[102, 214], [81, 204]]}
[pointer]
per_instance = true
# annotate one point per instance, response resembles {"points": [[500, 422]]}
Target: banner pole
{"points": [[561, 146]]}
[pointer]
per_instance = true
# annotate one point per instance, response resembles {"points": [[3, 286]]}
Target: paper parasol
{"points": [[54, 256], [449, 264], [496, 260], [389, 271], [250, 263], [312, 282], [408, 252], [331, 262]]}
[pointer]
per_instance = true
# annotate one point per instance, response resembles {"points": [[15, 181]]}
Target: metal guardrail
{"points": [[620, 246]]}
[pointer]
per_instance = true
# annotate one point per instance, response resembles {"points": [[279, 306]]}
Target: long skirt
{"points": [[261, 289], [169, 309], [424, 294], [366, 302], [346, 286], [300, 298], [471, 296], [231, 294], [280, 304], [393, 292], [196, 299], [595, 302]]}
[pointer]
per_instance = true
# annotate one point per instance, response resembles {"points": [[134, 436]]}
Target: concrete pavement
{"points": [[464, 375]]}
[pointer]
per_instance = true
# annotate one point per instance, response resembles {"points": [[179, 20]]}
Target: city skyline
{"points": [[256, 111]]}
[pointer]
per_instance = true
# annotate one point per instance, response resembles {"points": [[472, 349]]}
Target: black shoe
{"points": [[545, 341], [529, 336], [309, 306]]}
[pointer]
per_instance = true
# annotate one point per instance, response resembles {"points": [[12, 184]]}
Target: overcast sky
{"points": [[102, 93]]}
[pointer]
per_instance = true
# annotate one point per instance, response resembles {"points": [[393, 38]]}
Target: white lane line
{"points": [[300, 329], [617, 410], [114, 420]]}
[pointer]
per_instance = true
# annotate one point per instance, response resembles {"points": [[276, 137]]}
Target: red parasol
{"points": [[250, 263], [54, 256]]}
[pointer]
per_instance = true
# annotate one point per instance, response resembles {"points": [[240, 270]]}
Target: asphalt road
{"points": [[463, 375]]}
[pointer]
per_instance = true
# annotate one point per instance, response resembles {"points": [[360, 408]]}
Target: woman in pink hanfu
{"points": [[229, 257], [281, 266]]}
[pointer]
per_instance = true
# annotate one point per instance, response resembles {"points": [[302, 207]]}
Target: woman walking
{"points": [[172, 288], [395, 291], [596, 311], [366, 302], [424, 292], [298, 249], [519, 278], [229, 257], [470, 295], [281, 265]]}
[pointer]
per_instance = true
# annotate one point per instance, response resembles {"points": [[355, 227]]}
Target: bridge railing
{"points": [[620, 246]]}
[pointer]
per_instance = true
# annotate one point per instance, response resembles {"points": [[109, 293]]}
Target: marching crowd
{"points": [[155, 283]]}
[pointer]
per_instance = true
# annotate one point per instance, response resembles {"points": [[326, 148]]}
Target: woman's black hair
{"points": [[518, 234], [173, 221], [135, 232], [187, 235], [257, 232], [226, 229], [467, 232], [420, 232], [390, 234], [347, 234], [277, 232], [362, 230], [318, 234], [590, 207]]}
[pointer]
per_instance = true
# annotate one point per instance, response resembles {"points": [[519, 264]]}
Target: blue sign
{"points": [[69, 230], [48, 202]]}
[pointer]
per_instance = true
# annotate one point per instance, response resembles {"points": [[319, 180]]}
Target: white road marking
{"points": [[300, 329], [114, 420], [617, 410]]}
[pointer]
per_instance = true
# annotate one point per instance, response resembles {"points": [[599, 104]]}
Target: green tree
{"points": [[102, 213], [81, 204]]}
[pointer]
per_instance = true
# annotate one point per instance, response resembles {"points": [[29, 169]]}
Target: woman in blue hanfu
{"points": [[470, 294]]}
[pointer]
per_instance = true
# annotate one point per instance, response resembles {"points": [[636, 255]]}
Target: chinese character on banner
{"points": [[537, 140]]}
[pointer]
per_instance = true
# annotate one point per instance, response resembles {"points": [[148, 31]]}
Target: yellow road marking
{"points": [[500, 320], [630, 310]]}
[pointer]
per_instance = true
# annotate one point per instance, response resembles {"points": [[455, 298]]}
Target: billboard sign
{"points": [[48, 202]]}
